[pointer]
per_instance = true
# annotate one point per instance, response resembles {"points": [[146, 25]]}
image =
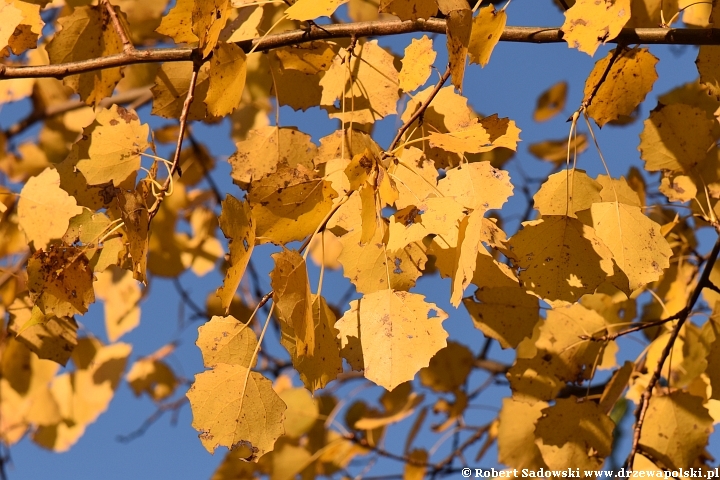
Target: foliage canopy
{"points": [[90, 209]]}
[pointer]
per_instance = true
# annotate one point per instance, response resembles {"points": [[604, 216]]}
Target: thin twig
{"points": [[644, 403], [178, 147], [564, 4], [420, 111], [206, 173], [157, 414], [379, 28], [128, 47], [613, 336]]}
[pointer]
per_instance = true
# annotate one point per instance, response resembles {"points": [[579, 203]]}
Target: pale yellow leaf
{"points": [[591, 23], [458, 30], [567, 192], [417, 63], [551, 102], [121, 295], [239, 228], [228, 69], [487, 27], [312, 9], [506, 314]]}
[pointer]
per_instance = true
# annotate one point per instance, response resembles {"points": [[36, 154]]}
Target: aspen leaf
{"points": [[414, 470], [590, 23], [172, 83], [552, 197], [616, 386], [87, 33], [25, 36], [48, 336], [289, 280], [487, 27], [626, 85], [369, 94], [110, 148], [637, 245], [506, 314], [516, 434], [208, 20], [676, 429], [121, 294], [415, 177], [416, 64], [44, 209], [676, 137], [152, 377], [572, 434], [12, 17], [312, 9], [178, 24], [399, 333], [394, 415], [448, 369], [557, 150], [477, 186], [302, 411], [265, 149], [550, 103], [239, 228], [134, 212], [458, 31], [227, 340], [439, 216], [707, 65], [232, 406], [678, 189], [371, 266], [228, 70], [618, 189], [295, 211], [469, 246], [409, 9], [60, 280], [561, 259]]}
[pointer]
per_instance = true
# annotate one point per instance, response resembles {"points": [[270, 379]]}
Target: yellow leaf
{"points": [[516, 434], [707, 65], [227, 340], [680, 188], [507, 314], [208, 20], [289, 280], [152, 377], [557, 150], [676, 429], [121, 294], [439, 216], [371, 266], [417, 64], [289, 205], [110, 148], [573, 434], [561, 259], [265, 149], [12, 17], [591, 23], [637, 245], [232, 406], [60, 280], [616, 386], [312, 9], [414, 469], [458, 31], [87, 33], [238, 227], [627, 84], [44, 209], [469, 246], [410, 9], [324, 250], [172, 83], [399, 333], [134, 212], [567, 192], [550, 103], [48, 336], [366, 85], [477, 186], [487, 27], [395, 415], [471, 139], [302, 411], [449, 368], [227, 79], [177, 24], [415, 177], [618, 189]]}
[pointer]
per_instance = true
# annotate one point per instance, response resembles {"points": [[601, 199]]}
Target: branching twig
{"points": [[161, 410], [420, 111], [685, 313], [613, 336], [128, 47], [679, 36]]}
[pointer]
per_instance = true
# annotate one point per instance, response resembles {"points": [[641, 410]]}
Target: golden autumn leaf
{"points": [[487, 27], [228, 70], [477, 186], [12, 16], [44, 209], [628, 81], [232, 406], [417, 64], [227, 340], [436, 215], [208, 20], [172, 83], [551, 102], [557, 150], [406, 329], [177, 24], [409, 9], [516, 434], [48, 336], [134, 213], [110, 148], [448, 369], [239, 228], [458, 30], [590, 23], [312, 9], [121, 295], [152, 376], [88, 33], [567, 192]]}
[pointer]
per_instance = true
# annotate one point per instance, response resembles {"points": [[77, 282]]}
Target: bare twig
{"points": [[157, 414], [178, 147], [678, 36], [612, 336], [420, 111], [644, 403], [128, 47]]}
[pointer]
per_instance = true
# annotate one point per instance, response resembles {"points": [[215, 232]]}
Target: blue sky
{"points": [[509, 86]]}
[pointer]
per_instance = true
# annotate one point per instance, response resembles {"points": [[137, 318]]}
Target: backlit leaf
{"points": [[239, 228], [487, 27]]}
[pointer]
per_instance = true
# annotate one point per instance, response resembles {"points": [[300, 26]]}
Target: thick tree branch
{"points": [[680, 36]]}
